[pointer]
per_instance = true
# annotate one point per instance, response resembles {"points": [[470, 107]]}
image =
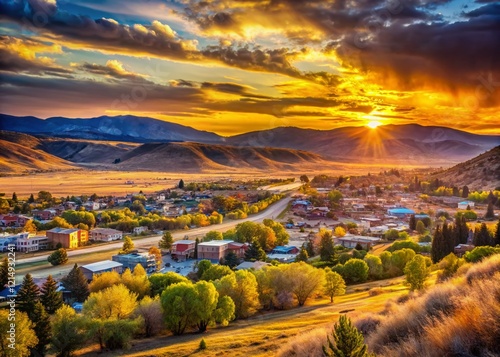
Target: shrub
{"points": [[375, 291], [409, 244], [58, 257], [355, 271], [203, 345], [306, 344]]}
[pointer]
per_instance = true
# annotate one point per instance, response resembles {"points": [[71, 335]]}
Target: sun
{"points": [[373, 124]]}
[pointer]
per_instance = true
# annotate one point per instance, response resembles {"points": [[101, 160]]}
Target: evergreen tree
{"points": [[413, 222], [41, 322], [76, 282], [310, 248], [461, 230], [181, 184], [456, 191], [347, 341], [4, 273], [438, 246], [465, 192], [302, 256], [496, 239], [482, 236], [128, 246], [231, 260], [326, 248], [59, 257], [490, 213], [50, 298], [195, 253], [31, 199], [28, 295], [449, 239], [255, 252], [166, 241], [14, 197]]}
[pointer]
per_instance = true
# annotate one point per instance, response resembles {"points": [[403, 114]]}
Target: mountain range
{"points": [[142, 142]]}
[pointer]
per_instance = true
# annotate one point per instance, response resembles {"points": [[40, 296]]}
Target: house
{"points": [[317, 213], [44, 215], [464, 204], [141, 229], [461, 249], [105, 234], [371, 221], [32, 243], [183, 249], [285, 250], [213, 250], [257, 265], [129, 261], [351, 241], [92, 206], [69, 238], [9, 220], [90, 270]]}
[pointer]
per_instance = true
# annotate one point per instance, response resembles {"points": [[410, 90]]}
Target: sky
{"points": [[233, 66]]}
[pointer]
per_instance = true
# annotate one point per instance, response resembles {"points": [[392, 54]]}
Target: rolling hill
{"points": [[479, 173]]}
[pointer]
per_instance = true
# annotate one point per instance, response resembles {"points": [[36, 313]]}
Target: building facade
{"points": [[105, 234], [68, 238]]}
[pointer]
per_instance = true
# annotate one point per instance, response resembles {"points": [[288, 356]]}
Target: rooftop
{"points": [[354, 238], [103, 265], [215, 243], [183, 241], [63, 230]]}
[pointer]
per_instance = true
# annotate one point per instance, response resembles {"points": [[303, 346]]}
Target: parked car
{"points": [[167, 265]]}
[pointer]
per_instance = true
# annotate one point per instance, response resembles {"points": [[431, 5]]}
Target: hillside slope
{"points": [[196, 157], [479, 173]]}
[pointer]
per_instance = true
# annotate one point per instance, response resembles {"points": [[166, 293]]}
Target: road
{"points": [[271, 212]]}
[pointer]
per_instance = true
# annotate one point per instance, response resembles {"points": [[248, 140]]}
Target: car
{"points": [[167, 265], [178, 270]]}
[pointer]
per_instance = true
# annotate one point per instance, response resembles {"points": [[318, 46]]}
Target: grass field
{"points": [[264, 334]]}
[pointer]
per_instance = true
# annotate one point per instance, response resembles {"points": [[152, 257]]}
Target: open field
{"points": [[264, 334], [88, 181]]}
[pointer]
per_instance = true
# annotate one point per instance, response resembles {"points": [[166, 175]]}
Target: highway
{"points": [[271, 212]]}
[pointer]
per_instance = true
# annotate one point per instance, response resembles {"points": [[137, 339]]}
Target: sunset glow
{"points": [[373, 124]]}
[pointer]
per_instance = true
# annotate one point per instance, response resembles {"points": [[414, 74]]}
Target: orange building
{"points": [[69, 238]]}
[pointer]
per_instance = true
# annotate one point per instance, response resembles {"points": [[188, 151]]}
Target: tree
{"points": [[391, 234], [31, 199], [255, 252], [416, 272], [166, 241], [490, 213], [482, 236], [181, 184], [242, 288], [334, 284], [59, 257], [50, 298], [4, 272], [77, 284], [14, 197], [137, 282], [212, 235], [339, 231], [306, 280], [104, 280], [496, 240], [355, 271], [152, 316], [68, 333], [23, 334], [28, 295], [206, 302], [302, 256], [231, 260], [326, 248], [461, 230], [195, 253], [304, 178], [347, 341], [179, 308], [375, 268], [465, 192], [216, 272], [128, 246], [413, 223], [438, 246], [41, 322], [160, 281], [30, 226], [115, 302]]}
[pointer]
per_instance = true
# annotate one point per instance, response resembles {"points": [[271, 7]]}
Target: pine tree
{"points": [[255, 252], [461, 230], [465, 192], [31, 199], [482, 236], [302, 256], [326, 248], [181, 184], [195, 253], [4, 273], [413, 222], [28, 295], [437, 247], [231, 260], [166, 241], [59, 257], [310, 248], [51, 299], [496, 239], [490, 213], [448, 239], [76, 282], [41, 322], [14, 197], [347, 341]]}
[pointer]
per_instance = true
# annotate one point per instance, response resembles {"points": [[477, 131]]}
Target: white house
{"points": [[464, 204], [105, 234], [139, 230]]}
